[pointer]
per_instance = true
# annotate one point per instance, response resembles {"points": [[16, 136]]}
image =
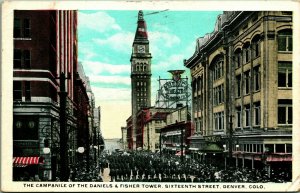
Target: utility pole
{"points": [[230, 140], [148, 137], [160, 143], [63, 133], [181, 156]]}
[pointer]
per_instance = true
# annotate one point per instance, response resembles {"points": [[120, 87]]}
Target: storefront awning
{"points": [[212, 148], [179, 153], [24, 161]]}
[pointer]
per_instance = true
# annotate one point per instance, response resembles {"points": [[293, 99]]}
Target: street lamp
{"points": [[236, 156], [225, 160]]}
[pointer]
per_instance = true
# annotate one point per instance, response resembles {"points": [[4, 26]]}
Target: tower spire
{"points": [[141, 31]]}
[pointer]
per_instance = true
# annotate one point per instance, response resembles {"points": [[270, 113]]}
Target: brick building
{"points": [[45, 45]]}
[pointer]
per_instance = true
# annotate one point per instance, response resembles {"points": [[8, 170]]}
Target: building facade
{"points": [[242, 88], [148, 127], [140, 72], [46, 86], [175, 135]]}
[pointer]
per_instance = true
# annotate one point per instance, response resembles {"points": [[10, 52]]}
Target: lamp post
{"points": [[236, 158], [225, 160], [230, 140]]}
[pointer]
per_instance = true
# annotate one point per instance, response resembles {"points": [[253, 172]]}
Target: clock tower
{"points": [[140, 73]]}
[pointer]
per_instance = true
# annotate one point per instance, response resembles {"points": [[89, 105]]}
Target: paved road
{"points": [[105, 175]]}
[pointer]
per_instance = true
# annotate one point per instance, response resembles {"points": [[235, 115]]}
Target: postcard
{"points": [[151, 96]]}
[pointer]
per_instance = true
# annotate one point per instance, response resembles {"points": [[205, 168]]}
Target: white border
{"points": [[6, 75]]}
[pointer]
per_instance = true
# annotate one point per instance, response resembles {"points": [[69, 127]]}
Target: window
{"points": [[26, 23], [17, 90], [17, 28], [218, 69], [255, 47], [247, 81], [246, 53], [26, 58], [17, 58], [285, 111], [22, 58], [218, 95], [280, 148], [200, 124], [238, 85], [269, 148], [219, 121], [285, 40], [256, 78], [257, 113], [237, 58], [285, 75], [22, 28], [289, 148], [247, 116], [238, 117], [27, 91]]}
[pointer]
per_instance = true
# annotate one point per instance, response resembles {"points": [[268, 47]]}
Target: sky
{"points": [[104, 48]]}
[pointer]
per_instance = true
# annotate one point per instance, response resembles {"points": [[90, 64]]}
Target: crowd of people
{"points": [[154, 167], [145, 166]]}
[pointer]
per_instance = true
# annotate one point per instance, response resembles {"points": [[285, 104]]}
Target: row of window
{"points": [[22, 28], [249, 51], [247, 117], [142, 68], [248, 80], [141, 83], [141, 94], [247, 121], [252, 51], [270, 148]]}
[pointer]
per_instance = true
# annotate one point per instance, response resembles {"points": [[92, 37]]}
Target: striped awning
{"points": [[24, 161]]}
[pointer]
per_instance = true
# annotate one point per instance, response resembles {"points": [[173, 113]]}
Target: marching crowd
{"points": [[145, 166], [151, 167]]}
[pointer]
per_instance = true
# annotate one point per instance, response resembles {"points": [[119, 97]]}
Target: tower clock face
{"points": [[141, 49]]}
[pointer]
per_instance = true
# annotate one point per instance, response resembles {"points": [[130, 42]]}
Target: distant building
{"points": [[175, 135], [113, 144], [148, 127], [124, 138], [242, 88]]}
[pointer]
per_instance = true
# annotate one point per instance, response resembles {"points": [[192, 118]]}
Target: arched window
{"points": [[237, 58], [285, 40], [255, 46], [218, 68], [246, 53]]}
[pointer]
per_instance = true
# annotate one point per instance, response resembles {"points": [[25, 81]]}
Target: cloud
{"points": [[103, 95], [98, 21], [119, 41], [96, 68], [111, 79], [163, 38], [173, 62]]}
